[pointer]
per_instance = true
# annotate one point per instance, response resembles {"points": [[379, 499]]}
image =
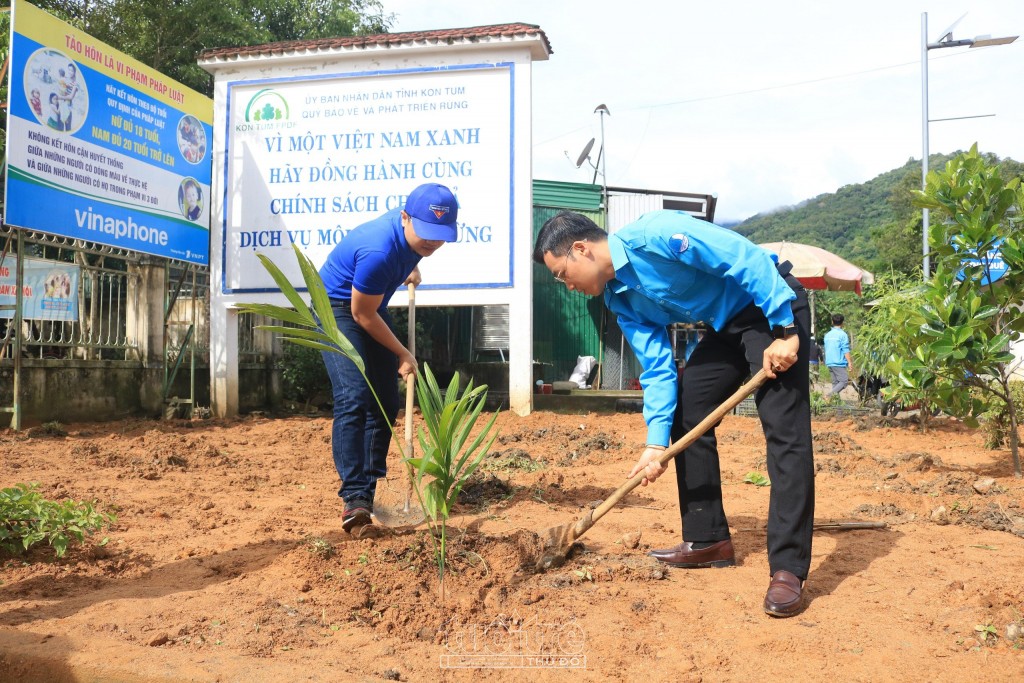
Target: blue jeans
{"points": [[361, 433]]}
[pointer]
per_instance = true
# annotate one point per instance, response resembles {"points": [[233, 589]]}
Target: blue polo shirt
{"points": [[837, 345], [374, 258], [671, 267]]}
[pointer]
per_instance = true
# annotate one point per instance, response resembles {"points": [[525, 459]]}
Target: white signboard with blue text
{"points": [[311, 158], [102, 148]]}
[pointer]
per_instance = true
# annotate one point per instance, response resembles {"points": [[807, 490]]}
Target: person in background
{"points": [[815, 360], [360, 275], [669, 267], [837, 354], [55, 121], [36, 103], [67, 91], [190, 201]]}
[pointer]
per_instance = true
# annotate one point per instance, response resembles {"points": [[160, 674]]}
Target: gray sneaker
{"points": [[357, 514]]}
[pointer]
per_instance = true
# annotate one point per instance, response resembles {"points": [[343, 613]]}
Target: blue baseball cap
{"points": [[433, 210]]}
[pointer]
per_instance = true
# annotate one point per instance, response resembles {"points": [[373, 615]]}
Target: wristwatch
{"points": [[783, 331]]}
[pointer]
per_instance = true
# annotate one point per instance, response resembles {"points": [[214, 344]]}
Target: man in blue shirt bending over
{"points": [[669, 267], [361, 274]]}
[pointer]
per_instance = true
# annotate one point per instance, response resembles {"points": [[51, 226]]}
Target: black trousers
{"points": [[716, 368]]}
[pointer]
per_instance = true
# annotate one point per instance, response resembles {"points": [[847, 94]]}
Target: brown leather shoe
{"points": [[785, 596], [685, 557]]}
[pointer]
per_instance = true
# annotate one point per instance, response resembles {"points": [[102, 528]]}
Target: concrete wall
{"points": [[85, 391]]}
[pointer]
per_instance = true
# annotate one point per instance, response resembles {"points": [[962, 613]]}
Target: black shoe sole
{"points": [[717, 564]]}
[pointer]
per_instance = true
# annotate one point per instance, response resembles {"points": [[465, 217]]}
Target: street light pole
{"points": [[945, 40], [602, 159], [924, 137]]}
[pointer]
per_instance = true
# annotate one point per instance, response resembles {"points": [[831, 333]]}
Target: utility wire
{"points": [[753, 91]]}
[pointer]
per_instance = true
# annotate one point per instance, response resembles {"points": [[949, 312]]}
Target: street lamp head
{"points": [[945, 40], [988, 41]]}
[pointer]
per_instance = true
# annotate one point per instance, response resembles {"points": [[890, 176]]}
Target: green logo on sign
{"points": [[266, 105]]}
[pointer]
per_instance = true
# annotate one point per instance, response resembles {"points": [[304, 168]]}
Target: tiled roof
{"points": [[449, 36]]}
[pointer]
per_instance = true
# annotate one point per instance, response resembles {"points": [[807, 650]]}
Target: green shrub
{"points": [[996, 421], [304, 374], [27, 519], [53, 429]]}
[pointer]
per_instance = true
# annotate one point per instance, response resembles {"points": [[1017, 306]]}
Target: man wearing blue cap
{"points": [[361, 274]]}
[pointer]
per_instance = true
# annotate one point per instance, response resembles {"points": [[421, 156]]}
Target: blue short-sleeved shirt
{"points": [[671, 267], [374, 258]]}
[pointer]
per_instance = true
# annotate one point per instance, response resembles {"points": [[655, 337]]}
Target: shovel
{"points": [[558, 540], [386, 508]]}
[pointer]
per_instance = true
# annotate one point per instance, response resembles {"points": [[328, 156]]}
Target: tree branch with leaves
{"points": [[971, 315]]}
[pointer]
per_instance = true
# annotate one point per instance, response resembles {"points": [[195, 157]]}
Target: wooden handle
{"points": [[410, 396], [410, 382], [675, 449]]}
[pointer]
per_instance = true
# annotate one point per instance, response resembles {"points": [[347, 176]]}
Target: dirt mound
{"points": [[484, 489], [511, 459], [832, 442], [993, 517], [884, 511]]}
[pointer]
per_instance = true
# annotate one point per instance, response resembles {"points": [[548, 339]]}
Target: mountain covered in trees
{"points": [[873, 224]]}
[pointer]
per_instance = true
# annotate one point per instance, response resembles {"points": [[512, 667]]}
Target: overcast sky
{"points": [[764, 104]]}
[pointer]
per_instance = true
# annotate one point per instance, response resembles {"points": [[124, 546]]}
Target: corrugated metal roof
{"points": [[573, 196], [474, 35]]}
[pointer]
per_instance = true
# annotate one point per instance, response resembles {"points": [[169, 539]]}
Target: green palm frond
{"points": [[314, 327]]}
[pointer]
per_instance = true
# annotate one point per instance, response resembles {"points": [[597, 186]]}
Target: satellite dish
{"points": [[585, 154]]}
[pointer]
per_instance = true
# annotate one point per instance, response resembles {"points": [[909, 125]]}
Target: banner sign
{"points": [[993, 266], [101, 147], [309, 159], [50, 290]]}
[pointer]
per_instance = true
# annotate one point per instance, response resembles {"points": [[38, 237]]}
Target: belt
{"points": [[341, 303]]}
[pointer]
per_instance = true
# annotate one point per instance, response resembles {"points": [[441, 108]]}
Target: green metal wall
{"points": [[565, 324], [573, 196]]}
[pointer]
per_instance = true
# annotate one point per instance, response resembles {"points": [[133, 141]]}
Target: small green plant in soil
{"points": [[757, 479], [584, 574], [27, 519], [986, 632], [450, 455], [320, 547]]}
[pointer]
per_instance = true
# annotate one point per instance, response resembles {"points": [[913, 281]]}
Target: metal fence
{"points": [[101, 331], [187, 310], [110, 294], [256, 345]]}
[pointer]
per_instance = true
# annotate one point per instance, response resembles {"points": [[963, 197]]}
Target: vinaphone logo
{"points": [[267, 109]]}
